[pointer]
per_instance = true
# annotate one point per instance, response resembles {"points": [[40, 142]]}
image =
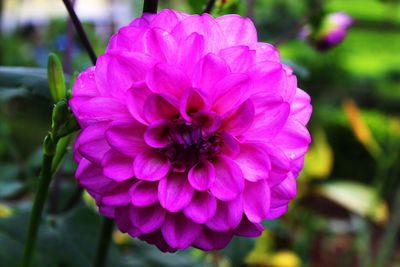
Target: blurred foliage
{"points": [[346, 190]]}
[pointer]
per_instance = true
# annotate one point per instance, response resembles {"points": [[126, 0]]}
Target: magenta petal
{"points": [[150, 165], [254, 161], [147, 219], [117, 166], [280, 165], [208, 71], [159, 106], [91, 143], [300, 108], [157, 134], [248, 229], [284, 192], [276, 212], [144, 193], [122, 218], [90, 176], [229, 182], [135, 100], [191, 50], [239, 58], [209, 240], [237, 30], [230, 92], [106, 211], [202, 175], [178, 231], [265, 52], [239, 120], [227, 216], [157, 239], [209, 121], [175, 192], [201, 208], [100, 109], [257, 199], [126, 136], [165, 19], [118, 196], [230, 146], [193, 100], [164, 78], [160, 44]]}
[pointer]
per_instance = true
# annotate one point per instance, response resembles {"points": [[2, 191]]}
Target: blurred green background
{"points": [[347, 211]]}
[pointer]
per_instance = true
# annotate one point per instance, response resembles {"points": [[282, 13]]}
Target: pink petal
{"points": [[208, 71], [265, 52], [280, 165], [239, 120], [85, 86], [300, 108], [193, 100], [161, 45], [165, 19], [101, 74], [175, 192], [90, 176], [270, 116], [157, 134], [164, 78], [131, 37], [202, 175], [191, 50], [237, 31], [204, 25], [122, 218], [276, 212], [284, 192], [202, 207], [117, 166], [230, 92], [227, 216], [248, 229], [239, 58], [135, 99], [150, 165], [91, 143], [256, 200], [178, 231], [156, 238], [230, 146], [293, 139], [126, 136], [147, 219], [144, 193], [118, 196], [209, 121], [254, 161], [106, 211], [209, 240], [229, 182], [159, 106], [102, 109]]}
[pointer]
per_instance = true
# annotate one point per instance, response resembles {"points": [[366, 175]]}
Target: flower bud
{"points": [[60, 113], [55, 78]]}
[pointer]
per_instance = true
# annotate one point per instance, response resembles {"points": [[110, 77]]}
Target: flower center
{"points": [[189, 144]]}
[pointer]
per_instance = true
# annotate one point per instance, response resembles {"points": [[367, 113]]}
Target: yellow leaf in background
{"points": [[318, 161], [285, 258], [5, 211], [360, 129], [121, 238], [355, 197]]}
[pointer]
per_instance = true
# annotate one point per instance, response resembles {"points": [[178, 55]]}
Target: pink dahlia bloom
{"points": [[192, 131]]}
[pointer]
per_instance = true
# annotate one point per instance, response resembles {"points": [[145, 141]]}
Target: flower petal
{"points": [[230, 146], [118, 196], [209, 240], [150, 165], [209, 121], [237, 30], [191, 50], [178, 231], [284, 192], [157, 134], [229, 182], [100, 109], [227, 216], [239, 58], [126, 136], [201, 208], [193, 100], [91, 143], [248, 229], [135, 98], [156, 238], [144, 193], [254, 161], [161, 45], [147, 219], [256, 200], [300, 108], [161, 107], [117, 166], [90, 176], [202, 175], [175, 192], [165, 78], [239, 120]]}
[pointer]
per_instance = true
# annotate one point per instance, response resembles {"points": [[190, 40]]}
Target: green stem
{"points": [[104, 242], [40, 197], [150, 6]]}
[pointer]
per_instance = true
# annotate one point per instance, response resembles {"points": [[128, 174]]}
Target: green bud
{"points": [[49, 147], [69, 127], [55, 77], [73, 79], [60, 114]]}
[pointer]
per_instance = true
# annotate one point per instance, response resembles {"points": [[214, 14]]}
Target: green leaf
{"points": [[56, 79], [9, 184]]}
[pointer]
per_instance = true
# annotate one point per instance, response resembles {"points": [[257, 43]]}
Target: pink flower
{"points": [[192, 131]]}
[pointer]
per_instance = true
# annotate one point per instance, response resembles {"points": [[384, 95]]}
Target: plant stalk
{"points": [[150, 6], [104, 242], [209, 6]]}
